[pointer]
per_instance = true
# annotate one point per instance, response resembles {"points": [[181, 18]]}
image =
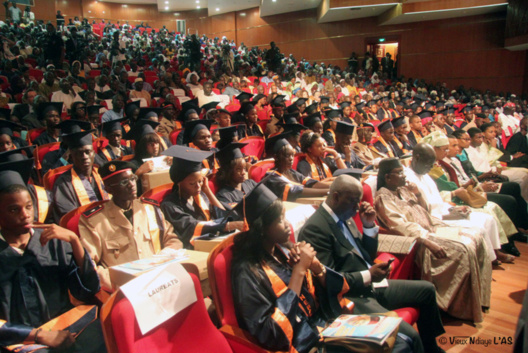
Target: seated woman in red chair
{"points": [[250, 116], [313, 166], [280, 296], [285, 182], [147, 145], [232, 179], [189, 208]]}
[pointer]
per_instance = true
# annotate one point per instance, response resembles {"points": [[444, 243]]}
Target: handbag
{"points": [[473, 198]]}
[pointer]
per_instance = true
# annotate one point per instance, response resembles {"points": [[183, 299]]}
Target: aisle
{"points": [[507, 292]]}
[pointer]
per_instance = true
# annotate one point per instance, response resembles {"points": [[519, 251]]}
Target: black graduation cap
{"points": [[425, 114], [144, 111], [78, 139], [419, 98], [385, 125], [256, 202], [278, 101], [44, 107], [258, 97], [113, 125], [93, 109], [9, 178], [16, 154], [366, 125], [292, 108], [209, 106], [312, 108], [244, 96], [428, 105], [360, 105], [355, 172], [312, 119], [7, 127], [188, 107], [140, 129], [70, 126], [398, 121], [246, 107], [401, 103], [414, 106], [300, 101], [192, 127], [230, 153], [344, 128], [334, 113], [292, 128], [324, 99], [186, 160], [468, 108], [290, 118], [480, 116], [112, 168], [485, 107], [371, 102], [22, 166], [446, 111], [440, 104], [130, 107], [385, 99], [345, 104], [275, 143], [225, 111], [5, 113]]}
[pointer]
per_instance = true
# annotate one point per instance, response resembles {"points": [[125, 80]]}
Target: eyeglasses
{"points": [[123, 183], [400, 173]]}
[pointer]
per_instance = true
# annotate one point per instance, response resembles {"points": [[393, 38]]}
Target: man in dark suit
{"points": [[335, 237]]}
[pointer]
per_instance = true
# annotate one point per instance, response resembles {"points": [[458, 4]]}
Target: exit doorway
{"points": [[385, 52]]}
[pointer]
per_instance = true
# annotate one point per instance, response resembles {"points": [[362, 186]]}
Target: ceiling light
{"points": [[166, 7], [124, 5], [176, 14], [457, 9], [217, 9], [242, 14], [166, 2], [198, 6], [274, 0], [197, 1]]}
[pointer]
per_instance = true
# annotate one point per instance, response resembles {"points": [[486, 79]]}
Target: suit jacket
{"points": [[336, 252]]}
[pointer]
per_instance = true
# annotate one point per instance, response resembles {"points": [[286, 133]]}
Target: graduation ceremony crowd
{"points": [[85, 115]]}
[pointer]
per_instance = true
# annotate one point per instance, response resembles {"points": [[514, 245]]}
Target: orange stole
{"points": [[332, 133], [80, 191], [42, 203], [315, 172], [200, 202], [384, 143]]}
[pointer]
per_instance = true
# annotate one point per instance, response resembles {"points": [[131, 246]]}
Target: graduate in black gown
{"points": [[385, 143], [189, 207], [232, 179], [81, 184], [304, 295], [330, 124], [7, 138], [250, 115], [50, 113], [285, 182], [41, 266], [343, 146], [114, 132], [197, 134], [42, 202]]}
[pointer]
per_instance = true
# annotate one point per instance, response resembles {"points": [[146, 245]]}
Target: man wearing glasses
{"points": [[125, 228]]}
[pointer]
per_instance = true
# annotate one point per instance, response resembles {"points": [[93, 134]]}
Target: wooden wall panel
{"points": [[466, 50]]}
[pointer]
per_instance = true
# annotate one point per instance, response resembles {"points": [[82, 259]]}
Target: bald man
{"points": [[334, 235]]}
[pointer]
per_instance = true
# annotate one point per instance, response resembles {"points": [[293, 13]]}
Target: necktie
{"points": [[350, 238], [128, 214]]}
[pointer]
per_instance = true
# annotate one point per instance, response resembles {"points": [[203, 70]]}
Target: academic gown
{"points": [[355, 162], [44, 138], [42, 201], [286, 189], [34, 286], [329, 138], [305, 169], [413, 141], [394, 148], [230, 197], [258, 307], [65, 196], [125, 151], [53, 160], [189, 221], [255, 130]]}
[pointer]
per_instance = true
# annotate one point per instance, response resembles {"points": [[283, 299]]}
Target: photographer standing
{"points": [[53, 47]]}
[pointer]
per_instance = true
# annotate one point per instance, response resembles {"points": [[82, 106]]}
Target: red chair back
{"points": [[173, 137], [49, 178], [158, 193], [71, 219], [259, 169], [183, 333], [232, 108], [94, 73], [37, 74], [33, 134], [254, 147], [298, 157]]}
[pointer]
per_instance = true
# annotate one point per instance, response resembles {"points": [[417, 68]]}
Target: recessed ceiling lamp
{"points": [[166, 7], [217, 9]]}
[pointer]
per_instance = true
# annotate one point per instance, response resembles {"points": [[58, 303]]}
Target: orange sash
{"points": [[42, 203], [80, 191], [205, 161], [389, 149], [315, 172], [417, 136], [400, 145], [107, 154], [287, 187], [332, 133], [200, 202]]}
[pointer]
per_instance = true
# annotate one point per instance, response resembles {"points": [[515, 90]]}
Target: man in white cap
{"points": [[139, 92]]}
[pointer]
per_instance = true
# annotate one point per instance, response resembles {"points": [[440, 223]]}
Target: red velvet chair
{"points": [[71, 219], [33, 134], [158, 193], [254, 147], [298, 157], [259, 169], [49, 178], [219, 270], [232, 108], [40, 153], [173, 137], [189, 331]]}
